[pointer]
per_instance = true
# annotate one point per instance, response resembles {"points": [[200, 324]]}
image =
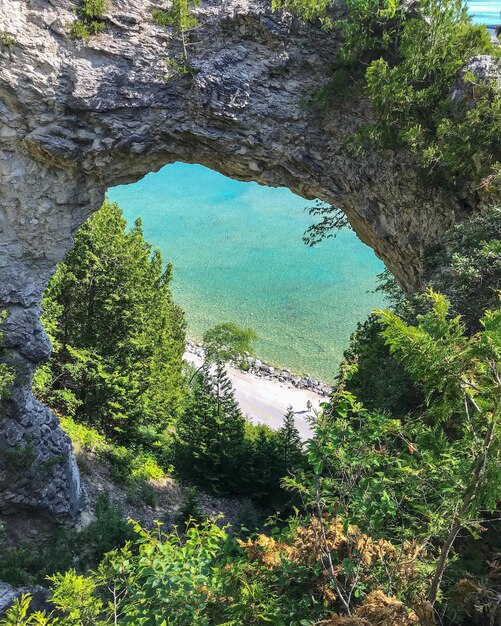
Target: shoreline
{"points": [[261, 370], [265, 397]]}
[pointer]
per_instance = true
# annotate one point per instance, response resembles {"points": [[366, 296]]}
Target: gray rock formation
{"points": [[77, 117], [8, 595]]}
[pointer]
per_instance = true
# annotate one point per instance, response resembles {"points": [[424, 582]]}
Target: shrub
{"points": [[191, 509], [82, 436], [6, 40], [6, 373], [407, 56], [20, 457], [89, 19], [142, 492], [28, 564], [468, 266], [131, 465]]}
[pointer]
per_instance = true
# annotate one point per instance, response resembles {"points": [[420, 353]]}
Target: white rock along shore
{"points": [[265, 393], [263, 370]]}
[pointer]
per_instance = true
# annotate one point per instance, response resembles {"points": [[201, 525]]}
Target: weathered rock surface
{"points": [[8, 595], [77, 117]]}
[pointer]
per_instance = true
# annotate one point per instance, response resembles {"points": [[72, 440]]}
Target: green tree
{"points": [[210, 433], [228, 342], [462, 382], [262, 467], [180, 17], [407, 57], [379, 381], [118, 336], [421, 480], [468, 266], [217, 448], [290, 447], [412, 97]]}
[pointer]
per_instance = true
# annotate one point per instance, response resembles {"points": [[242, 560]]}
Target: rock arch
{"points": [[77, 117]]}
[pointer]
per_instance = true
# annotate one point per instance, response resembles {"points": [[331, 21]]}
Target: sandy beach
{"points": [[265, 401]]}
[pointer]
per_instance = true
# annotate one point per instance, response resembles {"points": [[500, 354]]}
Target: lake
{"points": [[238, 256]]}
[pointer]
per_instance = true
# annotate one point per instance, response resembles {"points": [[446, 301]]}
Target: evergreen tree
{"points": [[289, 443], [210, 433], [118, 336], [181, 19], [468, 266], [379, 381], [265, 466]]}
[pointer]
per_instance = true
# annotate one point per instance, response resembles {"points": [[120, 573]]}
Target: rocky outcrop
{"points": [[8, 595], [77, 117]]}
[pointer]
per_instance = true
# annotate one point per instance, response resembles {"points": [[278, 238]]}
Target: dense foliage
{"points": [[118, 337], [117, 371], [401, 482], [401, 478], [456, 141], [468, 266], [217, 448], [386, 503], [379, 381], [407, 58]]}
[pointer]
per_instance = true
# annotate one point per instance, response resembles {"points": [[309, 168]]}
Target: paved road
{"points": [[266, 401]]}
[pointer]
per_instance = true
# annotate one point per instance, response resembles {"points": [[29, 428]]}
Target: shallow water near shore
{"points": [[485, 11], [238, 256]]}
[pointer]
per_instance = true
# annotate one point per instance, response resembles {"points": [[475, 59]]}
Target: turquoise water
{"points": [[485, 11], [238, 256]]}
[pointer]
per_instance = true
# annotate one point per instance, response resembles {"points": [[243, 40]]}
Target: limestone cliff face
{"points": [[77, 117]]}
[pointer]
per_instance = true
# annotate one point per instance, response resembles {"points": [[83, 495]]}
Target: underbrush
{"points": [[203, 576], [28, 564], [71, 552], [132, 467]]}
